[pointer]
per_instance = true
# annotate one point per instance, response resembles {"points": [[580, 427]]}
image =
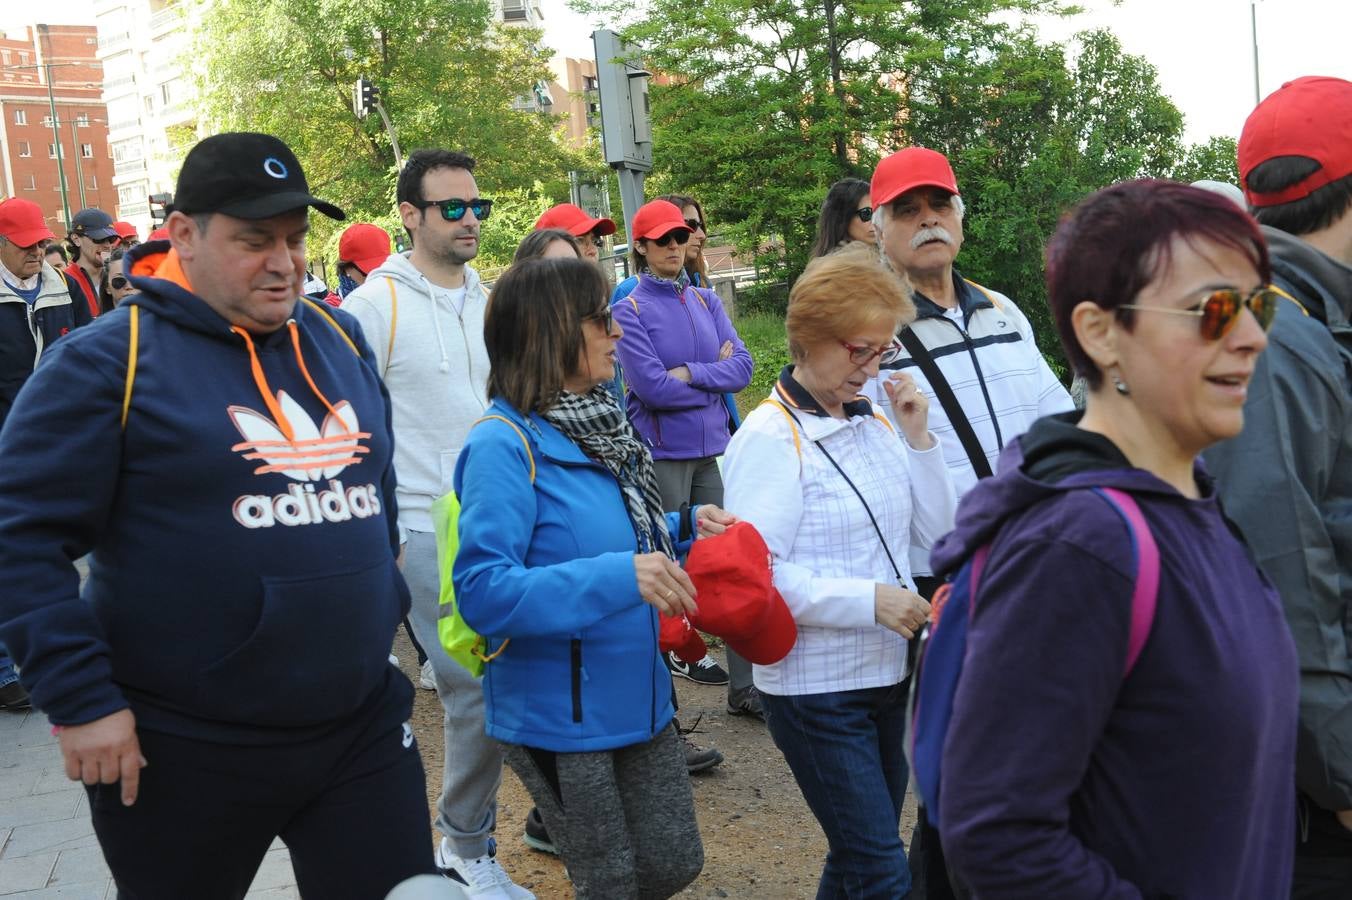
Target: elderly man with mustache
{"points": [[969, 348]]}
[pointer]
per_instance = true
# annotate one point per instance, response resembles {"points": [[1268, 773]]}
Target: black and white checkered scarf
{"points": [[595, 423]]}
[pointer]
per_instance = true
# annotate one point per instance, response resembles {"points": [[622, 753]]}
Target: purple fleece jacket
{"points": [[665, 328], [1063, 780]]}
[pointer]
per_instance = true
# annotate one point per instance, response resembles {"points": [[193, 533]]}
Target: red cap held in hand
{"points": [[737, 599]]}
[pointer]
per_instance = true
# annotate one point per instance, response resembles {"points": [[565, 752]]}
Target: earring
{"points": [[1120, 386]]}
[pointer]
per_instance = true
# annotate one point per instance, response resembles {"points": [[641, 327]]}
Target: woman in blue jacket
{"points": [[566, 558]]}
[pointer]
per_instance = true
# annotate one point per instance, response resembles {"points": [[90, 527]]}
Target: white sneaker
{"points": [[482, 878], [427, 679]]}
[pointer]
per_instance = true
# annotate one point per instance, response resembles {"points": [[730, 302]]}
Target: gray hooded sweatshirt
{"points": [[435, 366]]}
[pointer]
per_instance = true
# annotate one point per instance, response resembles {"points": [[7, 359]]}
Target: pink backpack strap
{"points": [[1146, 591]]}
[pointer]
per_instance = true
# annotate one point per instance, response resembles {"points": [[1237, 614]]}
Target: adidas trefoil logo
{"points": [[311, 455]]}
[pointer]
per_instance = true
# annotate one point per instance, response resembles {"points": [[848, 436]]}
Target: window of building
{"points": [[127, 151], [514, 10], [51, 151], [46, 121], [150, 104], [23, 58], [20, 117], [24, 149], [92, 183], [32, 183], [136, 192], [87, 151], [82, 120], [4, 57]]}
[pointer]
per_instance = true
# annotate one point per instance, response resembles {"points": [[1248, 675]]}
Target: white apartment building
{"points": [[150, 98]]}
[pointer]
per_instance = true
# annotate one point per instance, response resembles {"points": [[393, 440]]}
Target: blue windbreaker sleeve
{"points": [[500, 595], [725, 375], [62, 450]]}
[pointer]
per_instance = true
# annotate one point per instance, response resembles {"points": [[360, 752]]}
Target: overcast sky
{"points": [[1202, 48]]}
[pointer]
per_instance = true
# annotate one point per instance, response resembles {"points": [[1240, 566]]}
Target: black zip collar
{"points": [[969, 301], [789, 391]]}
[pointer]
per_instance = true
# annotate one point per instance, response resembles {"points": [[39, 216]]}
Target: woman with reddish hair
{"points": [[1081, 760]]}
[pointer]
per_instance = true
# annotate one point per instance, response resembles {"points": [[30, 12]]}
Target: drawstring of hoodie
{"points": [[445, 365], [270, 399]]}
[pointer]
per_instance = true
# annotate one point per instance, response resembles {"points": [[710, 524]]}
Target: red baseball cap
{"points": [[909, 169], [124, 229], [1311, 117], [655, 219], [364, 246], [574, 220], [676, 634], [159, 234], [22, 222], [736, 597]]}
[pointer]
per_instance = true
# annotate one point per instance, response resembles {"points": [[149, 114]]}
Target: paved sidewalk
{"points": [[47, 844]]}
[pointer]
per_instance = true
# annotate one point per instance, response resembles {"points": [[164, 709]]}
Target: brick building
{"points": [[28, 151]]}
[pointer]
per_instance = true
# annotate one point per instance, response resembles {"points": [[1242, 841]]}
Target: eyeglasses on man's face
{"points": [[453, 209]]}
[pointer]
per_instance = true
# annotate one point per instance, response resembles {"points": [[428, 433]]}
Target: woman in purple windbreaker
{"points": [[1065, 773]]}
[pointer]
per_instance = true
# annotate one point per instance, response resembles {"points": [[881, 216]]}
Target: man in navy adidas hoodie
{"points": [[223, 678]]}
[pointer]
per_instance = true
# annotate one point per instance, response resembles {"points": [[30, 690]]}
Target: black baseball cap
{"points": [[93, 223], [245, 175]]}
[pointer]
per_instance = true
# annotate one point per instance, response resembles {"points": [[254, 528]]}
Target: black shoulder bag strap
{"points": [[963, 428], [901, 582]]}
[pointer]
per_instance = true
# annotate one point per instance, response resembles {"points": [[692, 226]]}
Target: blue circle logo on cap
{"points": [[274, 167]]}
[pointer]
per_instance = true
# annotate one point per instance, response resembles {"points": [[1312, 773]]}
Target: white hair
{"points": [[879, 218]]}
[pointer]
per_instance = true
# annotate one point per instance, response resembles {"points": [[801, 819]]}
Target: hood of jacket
{"points": [[1053, 457], [398, 267], [1315, 276]]}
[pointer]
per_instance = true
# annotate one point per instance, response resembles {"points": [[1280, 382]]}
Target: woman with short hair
{"points": [[566, 559], [839, 498], [846, 216], [1073, 766]]}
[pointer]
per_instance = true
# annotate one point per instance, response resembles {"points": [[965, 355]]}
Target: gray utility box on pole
{"points": [[626, 129]]}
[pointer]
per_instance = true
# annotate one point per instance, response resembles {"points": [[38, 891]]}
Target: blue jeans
{"points": [[7, 674], [846, 753]]}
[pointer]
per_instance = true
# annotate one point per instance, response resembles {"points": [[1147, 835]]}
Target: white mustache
{"points": [[938, 232]]}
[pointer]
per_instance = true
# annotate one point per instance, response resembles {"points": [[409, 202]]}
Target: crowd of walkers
{"points": [[1149, 592]]}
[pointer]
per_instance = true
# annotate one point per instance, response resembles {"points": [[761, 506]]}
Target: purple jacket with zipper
{"points": [[1062, 778], [665, 328]]}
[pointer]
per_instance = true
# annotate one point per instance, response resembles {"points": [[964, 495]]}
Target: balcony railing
{"points": [[124, 125], [165, 18], [109, 41]]}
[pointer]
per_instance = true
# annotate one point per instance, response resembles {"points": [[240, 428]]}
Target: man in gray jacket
{"points": [[423, 315], [1287, 479]]}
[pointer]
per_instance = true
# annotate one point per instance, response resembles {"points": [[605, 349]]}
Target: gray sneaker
{"points": [[746, 702]]}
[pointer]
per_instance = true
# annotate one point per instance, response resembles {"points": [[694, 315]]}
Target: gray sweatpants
{"points": [[467, 809], [697, 481], [623, 820]]}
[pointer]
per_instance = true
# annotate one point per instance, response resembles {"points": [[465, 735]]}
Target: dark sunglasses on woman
{"points": [[864, 214], [694, 224], [453, 210], [1219, 312], [604, 317], [665, 240], [117, 282]]}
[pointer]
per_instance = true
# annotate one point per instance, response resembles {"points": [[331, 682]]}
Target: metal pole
{"points": [[75, 148], [56, 136], [1253, 23], [631, 196], [389, 128]]}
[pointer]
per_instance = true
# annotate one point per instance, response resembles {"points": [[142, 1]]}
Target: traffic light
{"points": [[159, 208], [365, 96]]}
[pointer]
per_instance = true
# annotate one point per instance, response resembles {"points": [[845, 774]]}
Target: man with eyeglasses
{"points": [[92, 239], [423, 313], [590, 232], [969, 348], [1286, 480]]}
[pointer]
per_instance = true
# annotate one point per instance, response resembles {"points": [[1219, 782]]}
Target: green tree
{"points": [[1216, 159], [448, 75]]}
